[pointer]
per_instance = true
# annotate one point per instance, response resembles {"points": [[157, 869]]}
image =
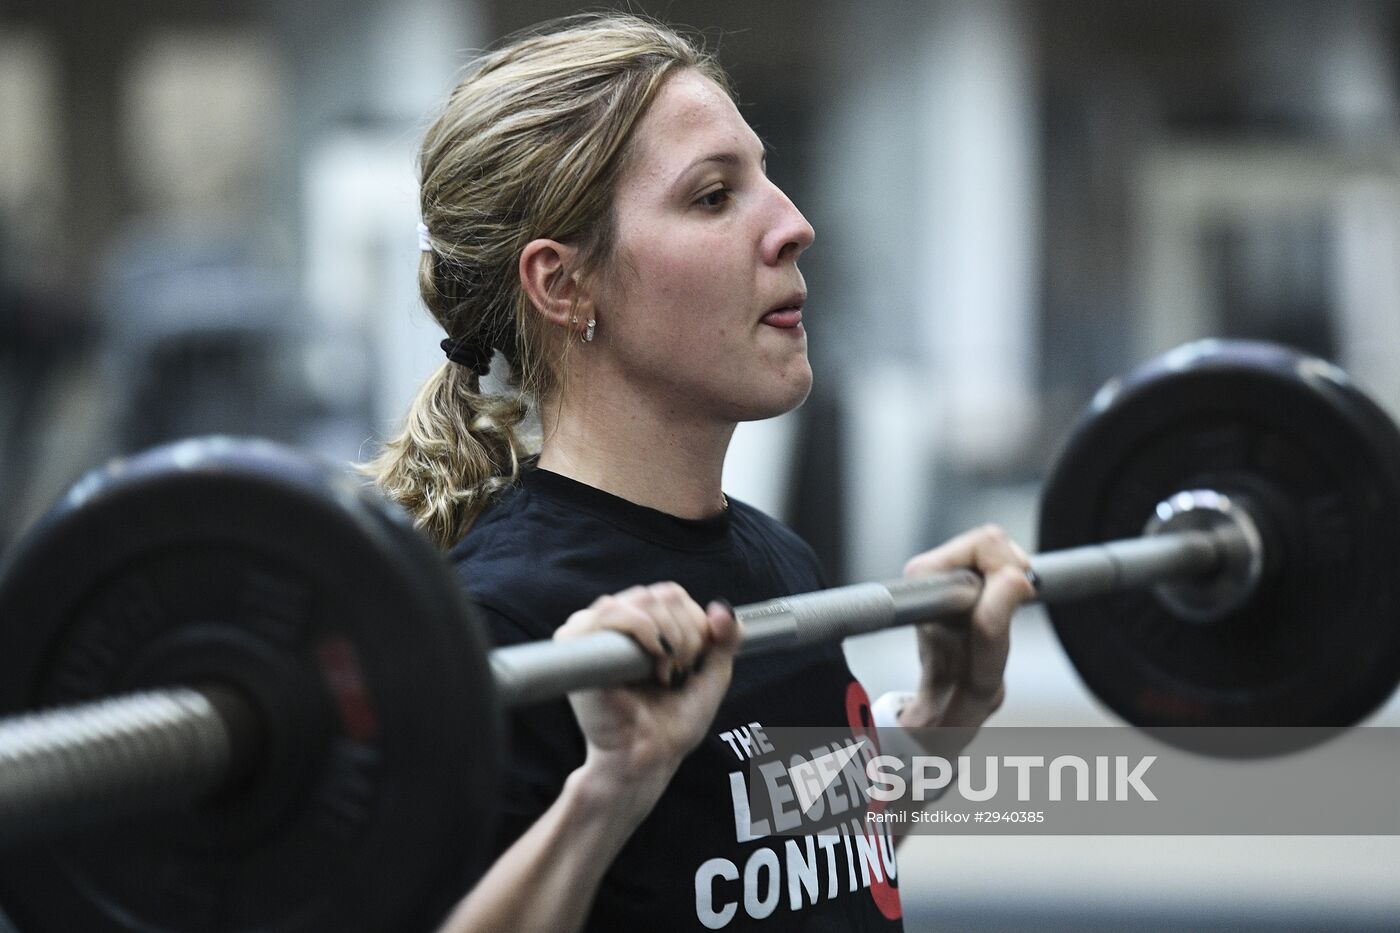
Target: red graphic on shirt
{"points": [[862, 723]]}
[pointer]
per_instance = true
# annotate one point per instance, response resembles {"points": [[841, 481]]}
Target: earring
{"points": [[588, 333]]}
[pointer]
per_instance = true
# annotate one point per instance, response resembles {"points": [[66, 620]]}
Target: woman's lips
{"points": [[785, 318]]}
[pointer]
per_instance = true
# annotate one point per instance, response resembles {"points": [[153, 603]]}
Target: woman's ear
{"points": [[547, 273]]}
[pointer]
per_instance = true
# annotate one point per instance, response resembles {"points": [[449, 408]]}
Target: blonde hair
{"points": [[531, 144]]}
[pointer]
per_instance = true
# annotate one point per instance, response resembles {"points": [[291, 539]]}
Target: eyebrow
{"points": [[728, 158]]}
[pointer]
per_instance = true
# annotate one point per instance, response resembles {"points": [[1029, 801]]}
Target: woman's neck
{"points": [[654, 457]]}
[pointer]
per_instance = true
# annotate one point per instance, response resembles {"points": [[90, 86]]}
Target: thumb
{"points": [[725, 630]]}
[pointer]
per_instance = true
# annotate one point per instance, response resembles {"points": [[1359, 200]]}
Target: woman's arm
{"points": [[961, 678], [960, 683], [636, 738], [546, 880]]}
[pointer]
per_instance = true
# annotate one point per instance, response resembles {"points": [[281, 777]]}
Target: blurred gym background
{"points": [[207, 214]]}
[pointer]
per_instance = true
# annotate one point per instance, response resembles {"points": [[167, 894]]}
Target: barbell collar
{"points": [[1213, 598]]}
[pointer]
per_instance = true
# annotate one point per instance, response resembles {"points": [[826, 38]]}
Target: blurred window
{"points": [[203, 117], [29, 138]]}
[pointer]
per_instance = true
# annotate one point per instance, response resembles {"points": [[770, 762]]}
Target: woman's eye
{"points": [[715, 198]]}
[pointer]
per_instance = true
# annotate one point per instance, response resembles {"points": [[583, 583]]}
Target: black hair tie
{"points": [[463, 352]]}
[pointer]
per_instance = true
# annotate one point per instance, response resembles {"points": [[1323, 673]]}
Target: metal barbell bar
{"points": [[1224, 544]]}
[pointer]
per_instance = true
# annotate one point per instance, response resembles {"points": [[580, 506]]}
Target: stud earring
{"points": [[588, 333]]}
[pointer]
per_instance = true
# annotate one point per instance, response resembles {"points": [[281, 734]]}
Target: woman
{"points": [[597, 211]]}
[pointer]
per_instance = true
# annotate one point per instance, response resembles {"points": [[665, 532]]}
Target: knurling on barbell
{"points": [[298, 615]]}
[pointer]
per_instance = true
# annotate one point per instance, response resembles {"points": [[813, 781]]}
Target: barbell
{"points": [[265, 704]]}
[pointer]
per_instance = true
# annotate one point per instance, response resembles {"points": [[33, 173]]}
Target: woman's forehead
{"points": [[692, 117]]}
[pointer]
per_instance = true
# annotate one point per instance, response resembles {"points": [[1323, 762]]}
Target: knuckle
{"points": [[919, 563], [642, 615], [577, 623], [668, 593]]}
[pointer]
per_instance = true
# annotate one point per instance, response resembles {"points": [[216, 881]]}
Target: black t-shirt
{"points": [[549, 548]]}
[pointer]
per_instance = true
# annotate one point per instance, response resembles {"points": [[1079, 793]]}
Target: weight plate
{"points": [[1317, 464], [244, 563]]}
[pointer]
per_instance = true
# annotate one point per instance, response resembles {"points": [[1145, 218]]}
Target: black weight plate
{"points": [[1318, 465], [243, 562]]}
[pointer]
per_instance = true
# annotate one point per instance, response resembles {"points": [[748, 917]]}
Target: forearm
{"points": [[897, 741], [547, 880], [907, 722]]}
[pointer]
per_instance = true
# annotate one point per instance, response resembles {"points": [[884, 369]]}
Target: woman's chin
{"points": [[776, 400]]}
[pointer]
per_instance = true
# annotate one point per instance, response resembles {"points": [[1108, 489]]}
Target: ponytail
{"points": [[459, 449]]}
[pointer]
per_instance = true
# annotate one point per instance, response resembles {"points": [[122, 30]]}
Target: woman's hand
{"points": [[636, 738], [961, 682], [638, 735]]}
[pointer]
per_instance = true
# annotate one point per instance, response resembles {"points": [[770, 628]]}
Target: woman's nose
{"points": [[789, 234]]}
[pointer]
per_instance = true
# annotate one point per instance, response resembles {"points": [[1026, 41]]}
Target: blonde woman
{"points": [[597, 213]]}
